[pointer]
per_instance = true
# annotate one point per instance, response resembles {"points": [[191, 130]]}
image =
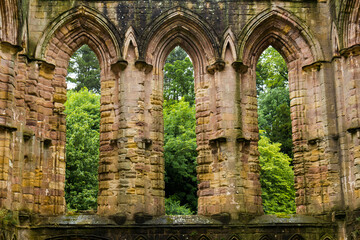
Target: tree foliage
{"points": [[277, 178], [174, 207], [84, 70], [179, 77], [82, 149], [271, 71], [273, 99], [274, 117], [180, 152]]}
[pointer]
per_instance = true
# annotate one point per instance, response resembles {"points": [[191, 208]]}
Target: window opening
{"points": [[82, 110], [275, 144], [179, 135]]}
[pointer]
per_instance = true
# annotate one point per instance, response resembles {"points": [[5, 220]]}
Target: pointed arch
{"points": [[130, 39], [203, 237], [172, 238], [349, 18], [281, 29], [234, 237], [75, 27], [229, 41], [140, 238], [296, 237], [68, 32], [326, 237], [180, 25]]}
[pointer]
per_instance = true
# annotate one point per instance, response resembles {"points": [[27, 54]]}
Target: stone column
{"points": [[229, 170], [7, 124]]}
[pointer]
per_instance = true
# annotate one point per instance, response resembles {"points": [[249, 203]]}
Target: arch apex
{"points": [[84, 15], [181, 19], [263, 25]]}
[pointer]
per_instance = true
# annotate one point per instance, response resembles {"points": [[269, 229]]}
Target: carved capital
{"points": [[119, 66], [8, 127], [314, 66], [219, 65], [45, 66], [239, 67], [141, 65], [351, 51]]}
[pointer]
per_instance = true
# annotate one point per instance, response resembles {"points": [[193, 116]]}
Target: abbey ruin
{"points": [[320, 42]]}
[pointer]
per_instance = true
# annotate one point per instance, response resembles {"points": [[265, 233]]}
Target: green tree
{"points": [[84, 70], [82, 149], [273, 99], [177, 54], [180, 152], [179, 77], [173, 207], [271, 71], [276, 178], [274, 117]]}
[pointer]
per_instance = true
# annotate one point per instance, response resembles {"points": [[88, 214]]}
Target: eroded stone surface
{"points": [[318, 39]]}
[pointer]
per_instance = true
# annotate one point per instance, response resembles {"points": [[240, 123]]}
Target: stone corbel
{"points": [[45, 66], [241, 139], [28, 134], [351, 51], [314, 141], [215, 141], [8, 127], [141, 65], [314, 66], [353, 130], [142, 217], [119, 66], [239, 67], [8, 47], [223, 217], [219, 65]]}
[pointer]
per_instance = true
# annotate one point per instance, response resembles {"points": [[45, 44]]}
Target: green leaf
{"points": [[82, 149]]}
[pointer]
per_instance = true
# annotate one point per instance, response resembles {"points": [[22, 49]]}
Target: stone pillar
{"points": [[247, 153], [7, 109], [347, 86], [229, 170], [109, 163]]}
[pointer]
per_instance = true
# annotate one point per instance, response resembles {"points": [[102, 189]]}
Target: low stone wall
{"points": [[267, 227]]}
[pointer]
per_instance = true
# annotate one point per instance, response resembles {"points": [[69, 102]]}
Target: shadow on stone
{"points": [[119, 218], [141, 217]]}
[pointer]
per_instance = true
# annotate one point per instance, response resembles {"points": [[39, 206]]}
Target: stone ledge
{"points": [[291, 219], [183, 220], [93, 220]]}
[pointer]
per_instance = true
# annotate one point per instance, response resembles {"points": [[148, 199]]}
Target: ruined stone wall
{"points": [[319, 40]]}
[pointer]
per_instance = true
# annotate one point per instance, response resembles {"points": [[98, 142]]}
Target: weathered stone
{"points": [[318, 39]]}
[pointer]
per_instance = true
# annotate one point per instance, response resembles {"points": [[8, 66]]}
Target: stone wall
{"points": [[319, 40]]}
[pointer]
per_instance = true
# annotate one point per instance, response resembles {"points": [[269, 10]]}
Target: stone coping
{"points": [[178, 221]]}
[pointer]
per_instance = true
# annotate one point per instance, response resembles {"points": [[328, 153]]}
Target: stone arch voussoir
{"points": [[277, 27], [78, 26], [234, 237], [182, 24], [296, 237], [326, 237], [350, 17], [266, 237]]}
